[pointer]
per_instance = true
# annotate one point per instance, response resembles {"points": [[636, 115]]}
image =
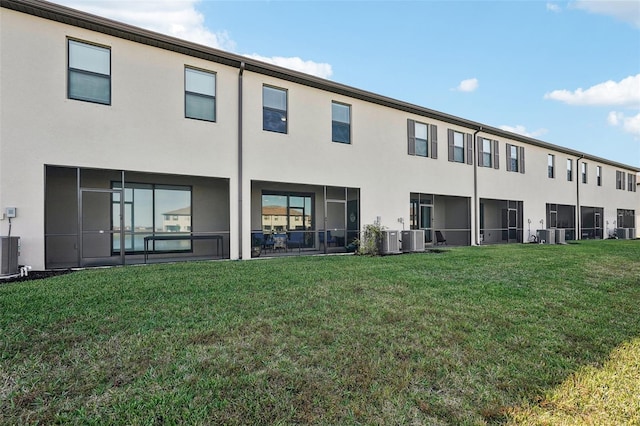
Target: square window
{"points": [[340, 123], [89, 73], [199, 94], [274, 109]]}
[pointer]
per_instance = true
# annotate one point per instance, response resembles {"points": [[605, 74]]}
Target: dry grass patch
{"points": [[592, 396]]}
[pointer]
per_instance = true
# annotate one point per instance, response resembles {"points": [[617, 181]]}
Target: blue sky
{"points": [[565, 72]]}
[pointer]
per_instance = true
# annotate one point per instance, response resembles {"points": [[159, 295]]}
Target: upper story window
{"points": [[632, 182], [274, 109], [515, 158], [583, 172], [569, 169], [599, 175], [340, 122], [488, 153], [458, 147], [89, 73], [619, 180], [551, 166], [199, 94], [422, 139]]}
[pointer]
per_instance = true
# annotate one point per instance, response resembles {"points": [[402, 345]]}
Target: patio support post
{"points": [[240, 178], [476, 215]]}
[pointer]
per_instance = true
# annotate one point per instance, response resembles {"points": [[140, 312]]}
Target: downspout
{"points": [[476, 213], [578, 213], [240, 107]]}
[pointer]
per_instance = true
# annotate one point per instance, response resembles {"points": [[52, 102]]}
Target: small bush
{"points": [[370, 240]]}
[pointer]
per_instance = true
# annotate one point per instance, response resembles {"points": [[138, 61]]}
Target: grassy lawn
{"points": [[475, 335]]}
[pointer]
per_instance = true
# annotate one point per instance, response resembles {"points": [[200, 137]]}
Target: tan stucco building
{"points": [[107, 128]]}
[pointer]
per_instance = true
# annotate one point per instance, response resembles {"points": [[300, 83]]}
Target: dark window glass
{"points": [[200, 94], [340, 123], [421, 140], [458, 147], [274, 109], [89, 77]]}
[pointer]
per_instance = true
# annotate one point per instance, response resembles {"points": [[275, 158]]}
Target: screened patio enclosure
{"points": [[562, 216], [501, 221], [99, 217], [295, 218], [591, 226], [447, 214]]}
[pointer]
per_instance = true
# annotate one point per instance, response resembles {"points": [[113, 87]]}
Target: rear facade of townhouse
{"points": [[119, 146]]}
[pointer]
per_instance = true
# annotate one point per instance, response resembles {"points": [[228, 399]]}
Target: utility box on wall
{"points": [[9, 255]]}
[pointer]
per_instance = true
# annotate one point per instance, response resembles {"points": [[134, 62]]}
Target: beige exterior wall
{"points": [[144, 130]]}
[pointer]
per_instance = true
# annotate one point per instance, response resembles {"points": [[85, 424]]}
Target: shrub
{"points": [[370, 240]]}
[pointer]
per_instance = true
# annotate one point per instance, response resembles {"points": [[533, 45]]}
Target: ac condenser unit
{"points": [[390, 242], [622, 233], [632, 233], [548, 236], [560, 236], [413, 240]]}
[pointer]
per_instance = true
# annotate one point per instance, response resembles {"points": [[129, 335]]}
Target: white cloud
{"points": [[626, 92], [318, 69], [468, 85], [181, 19], [623, 10], [553, 7], [177, 18], [629, 124], [521, 130]]}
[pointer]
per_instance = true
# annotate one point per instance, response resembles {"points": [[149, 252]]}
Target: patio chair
{"points": [[331, 239], [296, 239], [440, 239], [267, 242], [280, 241]]}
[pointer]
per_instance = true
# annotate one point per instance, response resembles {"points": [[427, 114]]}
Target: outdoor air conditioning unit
{"points": [[632, 233], [548, 236], [390, 242], [560, 236], [622, 233], [413, 241], [9, 255]]}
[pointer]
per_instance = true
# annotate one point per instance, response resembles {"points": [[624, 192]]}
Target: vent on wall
{"points": [[413, 240], [390, 242]]}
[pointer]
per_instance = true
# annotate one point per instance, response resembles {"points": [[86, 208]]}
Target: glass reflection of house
{"points": [[177, 220], [276, 219]]}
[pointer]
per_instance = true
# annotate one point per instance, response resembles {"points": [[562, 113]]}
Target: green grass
{"points": [[475, 335]]}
